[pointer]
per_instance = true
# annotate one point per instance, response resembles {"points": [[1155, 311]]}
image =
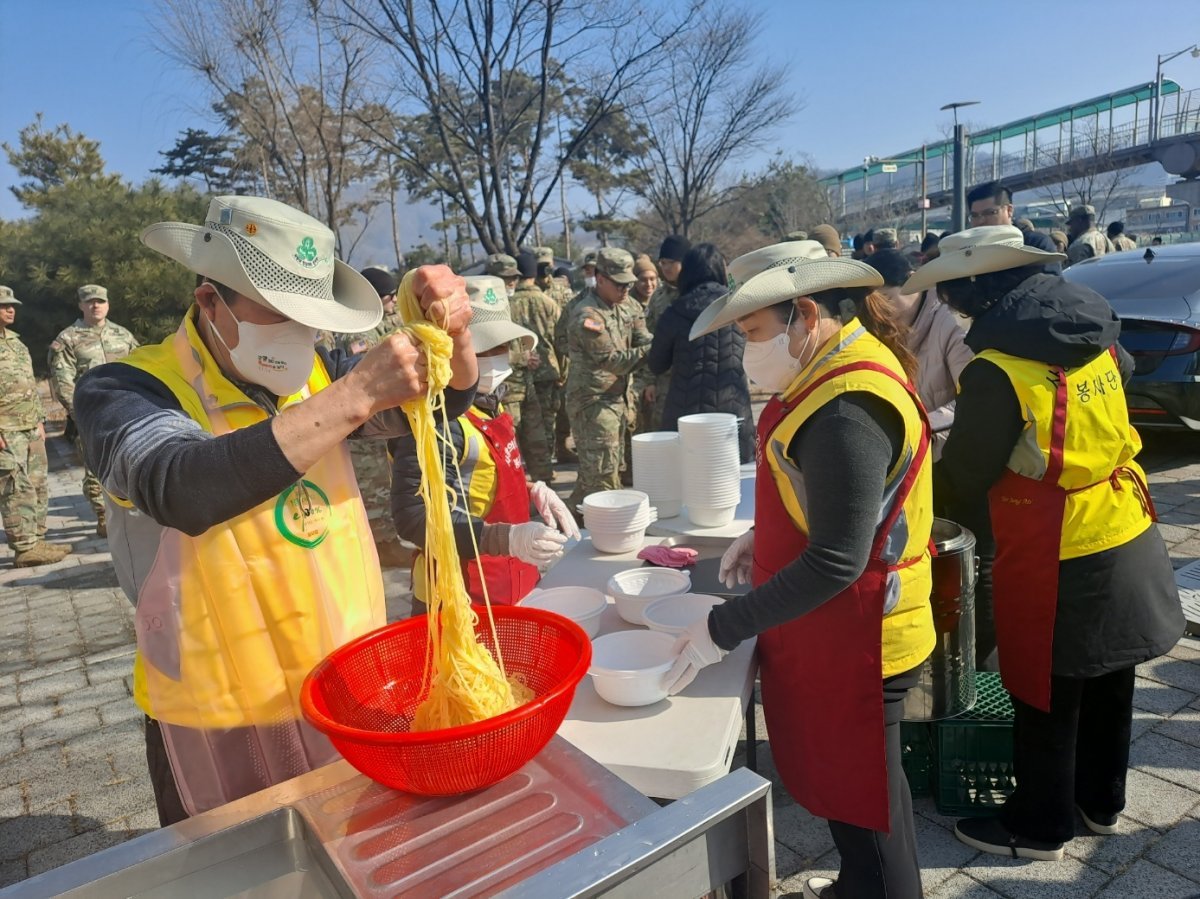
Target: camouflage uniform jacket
{"points": [[1091, 242], [20, 404], [364, 340], [606, 344], [78, 349], [557, 292], [663, 296], [533, 309]]}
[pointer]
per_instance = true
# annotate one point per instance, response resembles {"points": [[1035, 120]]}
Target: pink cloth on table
{"points": [[669, 556]]}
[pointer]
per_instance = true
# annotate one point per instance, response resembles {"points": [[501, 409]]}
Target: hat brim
{"points": [[11, 301], [622, 278], [783, 283], [489, 335], [979, 260], [353, 307]]}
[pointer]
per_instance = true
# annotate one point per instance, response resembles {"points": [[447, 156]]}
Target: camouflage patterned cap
{"points": [[885, 238], [92, 292], [544, 254], [589, 258], [1084, 211], [7, 298], [616, 265], [796, 235], [501, 265]]}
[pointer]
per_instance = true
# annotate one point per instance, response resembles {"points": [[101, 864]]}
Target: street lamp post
{"points": [[1156, 105], [958, 216]]}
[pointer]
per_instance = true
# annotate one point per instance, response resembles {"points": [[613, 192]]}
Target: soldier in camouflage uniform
{"points": [[372, 467], [546, 281], [607, 340], [23, 490], [644, 380], [504, 267], [1086, 239], [532, 309], [562, 421], [521, 399], [93, 340], [670, 263]]}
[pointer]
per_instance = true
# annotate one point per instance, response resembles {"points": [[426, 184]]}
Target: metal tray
{"points": [[707, 567]]}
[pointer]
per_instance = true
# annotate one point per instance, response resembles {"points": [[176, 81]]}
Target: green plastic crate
{"points": [[916, 755], [974, 753]]}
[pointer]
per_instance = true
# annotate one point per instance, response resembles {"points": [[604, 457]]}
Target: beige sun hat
{"points": [[491, 318], [977, 251], [770, 275], [7, 298], [275, 255]]}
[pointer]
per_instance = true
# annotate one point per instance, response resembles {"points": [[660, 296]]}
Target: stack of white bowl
{"points": [[617, 520], [657, 471], [712, 478]]}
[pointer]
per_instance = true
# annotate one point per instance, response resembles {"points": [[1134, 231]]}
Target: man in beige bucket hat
{"points": [[236, 525]]}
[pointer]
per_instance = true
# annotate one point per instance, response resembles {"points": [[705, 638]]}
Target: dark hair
{"points": [[1115, 228], [562, 272], [928, 242], [892, 264], [528, 266], [988, 191], [857, 242], [869, 236], [701, 264], [872, 309], [973, 298]]}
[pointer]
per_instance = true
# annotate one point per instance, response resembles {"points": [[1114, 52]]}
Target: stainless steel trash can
{"points": [[946, 686]]}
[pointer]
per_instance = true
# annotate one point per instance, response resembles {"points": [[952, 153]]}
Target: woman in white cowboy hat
{"points": [[485, 474], [1082, 585], [839, 554], [235, 521]]}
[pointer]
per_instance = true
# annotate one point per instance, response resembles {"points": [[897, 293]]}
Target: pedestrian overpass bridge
{"points": [[1103, 134]]}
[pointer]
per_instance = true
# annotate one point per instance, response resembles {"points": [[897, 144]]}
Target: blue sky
{"points": [[870, 75]]}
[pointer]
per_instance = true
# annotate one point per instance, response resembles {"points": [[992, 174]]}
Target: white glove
{"points": [[553, 510], [535, 544], [735, 564], [694, 649]]}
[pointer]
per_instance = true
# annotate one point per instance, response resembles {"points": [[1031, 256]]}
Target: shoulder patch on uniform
{"points": [[592, 325]]}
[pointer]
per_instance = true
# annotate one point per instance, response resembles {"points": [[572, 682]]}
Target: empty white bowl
{"points": [[709, 517], [636, 588], [583, 605], [628, 666], [673, 614], [620, 542], [617, 500]]}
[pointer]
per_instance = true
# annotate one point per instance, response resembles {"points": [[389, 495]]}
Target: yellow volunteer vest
{"points": [[231, 621], [1103, 510], [908, 634], [478, 471]]}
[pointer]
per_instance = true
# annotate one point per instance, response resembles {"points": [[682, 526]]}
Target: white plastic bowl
{"points": [[618, 542], [673, 614], [615, 500], [628, 666], [583, 605], [708, 517], [636, 588]]}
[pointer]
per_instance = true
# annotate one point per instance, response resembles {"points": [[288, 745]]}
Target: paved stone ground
{"points": [[73, 774]]}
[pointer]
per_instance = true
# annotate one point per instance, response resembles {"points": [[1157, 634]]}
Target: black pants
{"points": [[1075, 754], [879, 865], [162, 779]]}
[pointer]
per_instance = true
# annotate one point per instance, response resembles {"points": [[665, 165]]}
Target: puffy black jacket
{"points": [[706, 374]]}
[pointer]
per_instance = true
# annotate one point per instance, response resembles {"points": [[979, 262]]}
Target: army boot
{"points": [[41, 553], [101, 524]]}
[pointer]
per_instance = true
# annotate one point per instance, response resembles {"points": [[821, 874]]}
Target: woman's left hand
{"points": [[553, 510], [694, 650]]}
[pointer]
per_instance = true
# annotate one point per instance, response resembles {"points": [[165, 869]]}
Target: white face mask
{"points": [[589, 281], [493, 371], [770, 363], [278, 357]]}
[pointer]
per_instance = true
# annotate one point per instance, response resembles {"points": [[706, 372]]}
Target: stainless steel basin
{"points": [[270, 857]]}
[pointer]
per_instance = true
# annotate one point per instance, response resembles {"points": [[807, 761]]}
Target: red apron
{"points": [[509, 579], [1027, 522], [822, 673]]}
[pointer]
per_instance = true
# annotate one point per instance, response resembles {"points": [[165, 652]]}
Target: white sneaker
{"points": [[818, 887], [1099, 824]]}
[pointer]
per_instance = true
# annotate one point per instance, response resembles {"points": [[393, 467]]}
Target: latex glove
{"points": [[694, 649], [536, 544], [553, 510], [735, 564]]}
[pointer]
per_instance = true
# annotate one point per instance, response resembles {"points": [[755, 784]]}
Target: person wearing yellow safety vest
{"points": [[486, 475], [839, 555], [235, 522], [1082, 585]]}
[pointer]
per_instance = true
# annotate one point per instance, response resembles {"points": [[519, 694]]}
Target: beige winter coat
{"points": [[936, 337]]}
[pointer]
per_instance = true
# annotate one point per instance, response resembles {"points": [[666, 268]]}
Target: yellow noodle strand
{"points": [[466, 683]]}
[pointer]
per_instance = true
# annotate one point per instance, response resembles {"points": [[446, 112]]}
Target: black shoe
{"points": [[1097, 823], [990, 835]]}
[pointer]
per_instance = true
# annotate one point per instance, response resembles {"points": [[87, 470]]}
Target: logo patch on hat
{"points": [[490, 297], [306, 253], [251, 228]]}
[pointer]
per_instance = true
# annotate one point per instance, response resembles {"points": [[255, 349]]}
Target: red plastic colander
{"points": [[364, 695]]}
